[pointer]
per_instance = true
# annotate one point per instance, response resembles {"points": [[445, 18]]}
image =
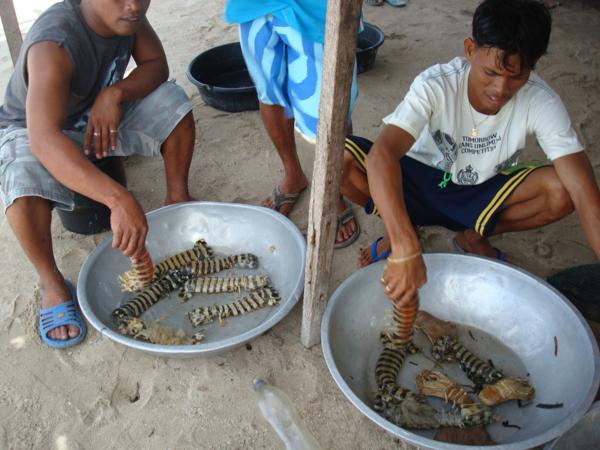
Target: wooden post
{"points": [[11, 28], [338, 62]]}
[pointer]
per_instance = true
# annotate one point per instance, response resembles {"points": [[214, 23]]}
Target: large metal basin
{"points": [[519, 310], [228, 229]]}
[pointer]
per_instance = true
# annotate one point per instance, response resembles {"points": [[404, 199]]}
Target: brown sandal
{"points": [[343, 218]]}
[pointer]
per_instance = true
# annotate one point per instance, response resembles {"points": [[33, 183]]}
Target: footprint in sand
{"points": [[543, 250], [131, 395], [100, 413]]}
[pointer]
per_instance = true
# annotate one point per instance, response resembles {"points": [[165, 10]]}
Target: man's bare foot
{"points": [[345, 230], [364, 255], [54, 293], [551, 4], [287, 190], [472, 242]]}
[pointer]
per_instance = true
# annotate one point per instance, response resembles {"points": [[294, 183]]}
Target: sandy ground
{"points": [[81, 398]]}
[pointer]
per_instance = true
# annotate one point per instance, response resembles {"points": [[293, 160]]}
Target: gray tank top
{"points": [[97, 62]]}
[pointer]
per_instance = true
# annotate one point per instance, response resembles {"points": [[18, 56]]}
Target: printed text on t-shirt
{"points": [[479, 145]]}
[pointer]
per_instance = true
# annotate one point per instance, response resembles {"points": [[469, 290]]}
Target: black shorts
{"points": [[433, 200]]}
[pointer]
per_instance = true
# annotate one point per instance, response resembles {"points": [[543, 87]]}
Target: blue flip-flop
{"points": [[374, 256], [396, 3], [66, 313], [499, 253]]}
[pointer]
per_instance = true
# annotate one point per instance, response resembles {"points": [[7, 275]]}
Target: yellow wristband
{"points": [[403, 258]]}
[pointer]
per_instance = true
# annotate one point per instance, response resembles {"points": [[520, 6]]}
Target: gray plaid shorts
{"points": [[145, 125]]}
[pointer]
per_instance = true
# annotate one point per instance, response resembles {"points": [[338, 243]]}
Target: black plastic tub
{"points": [[89, 216], [221, 76], [581, 285], [369, 40], [223, 81]]}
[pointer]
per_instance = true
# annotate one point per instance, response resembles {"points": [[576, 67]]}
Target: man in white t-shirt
{"points": [[448, 153]]}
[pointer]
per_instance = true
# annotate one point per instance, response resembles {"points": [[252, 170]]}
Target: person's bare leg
{"points": [[347, 229], [30, 218], [355, 187], [281, 131], [539, 200], [177, 153]]}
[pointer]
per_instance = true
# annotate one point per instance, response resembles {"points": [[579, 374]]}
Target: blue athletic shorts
{"points": [[456, 207], [286, 69]]}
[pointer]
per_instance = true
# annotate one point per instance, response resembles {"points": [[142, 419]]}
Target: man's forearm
{"points": [[144, 79], [65, 162], [385, 185]]}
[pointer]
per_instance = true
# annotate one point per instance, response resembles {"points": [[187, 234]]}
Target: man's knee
{"points": [[188, 122], [348, 167], [353, 179], [186, 126], [558, 200], [27, 208], [28, 203]]}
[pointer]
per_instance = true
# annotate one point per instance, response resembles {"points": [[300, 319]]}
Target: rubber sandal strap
{"points": [[374, 256], [343, 218], [500, 254], [63, 314], [396, 3], [279, 198], [346, 216], [457, 246]]}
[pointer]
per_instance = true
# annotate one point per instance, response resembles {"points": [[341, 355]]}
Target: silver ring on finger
{"points": [[96, 133], [388, 289], [113, 131]]}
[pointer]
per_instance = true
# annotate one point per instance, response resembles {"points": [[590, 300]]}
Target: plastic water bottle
{"points": [[278, 409]]}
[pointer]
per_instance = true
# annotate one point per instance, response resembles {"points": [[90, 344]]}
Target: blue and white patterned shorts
{"points": [[145, 125], [286, 69]]}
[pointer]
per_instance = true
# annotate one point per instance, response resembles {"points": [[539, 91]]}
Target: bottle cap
{"points": [[257, 383]]}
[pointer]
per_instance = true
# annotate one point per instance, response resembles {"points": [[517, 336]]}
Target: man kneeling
{"points": [[448, 154], [68, 94]]}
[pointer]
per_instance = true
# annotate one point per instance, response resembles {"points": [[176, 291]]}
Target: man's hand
{"points": [[401, 280], [105, 116], [129, 226]]}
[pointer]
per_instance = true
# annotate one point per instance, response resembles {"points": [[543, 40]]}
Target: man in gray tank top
{"points": [[66, 104]]}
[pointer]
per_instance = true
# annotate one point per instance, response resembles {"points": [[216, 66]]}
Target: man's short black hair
{"points": [[517, 27]]}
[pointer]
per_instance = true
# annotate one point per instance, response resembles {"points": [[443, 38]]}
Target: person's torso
{"points": [[97, 62], [471, 146]]}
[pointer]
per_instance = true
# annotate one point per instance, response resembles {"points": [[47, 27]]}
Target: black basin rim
{"points": [[377, 44], [208, 87]]}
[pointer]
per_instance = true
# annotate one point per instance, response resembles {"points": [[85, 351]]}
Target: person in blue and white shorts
{"points": [[282, 44]]}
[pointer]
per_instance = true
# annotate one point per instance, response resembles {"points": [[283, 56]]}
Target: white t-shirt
{"points": [[436, 113]]}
